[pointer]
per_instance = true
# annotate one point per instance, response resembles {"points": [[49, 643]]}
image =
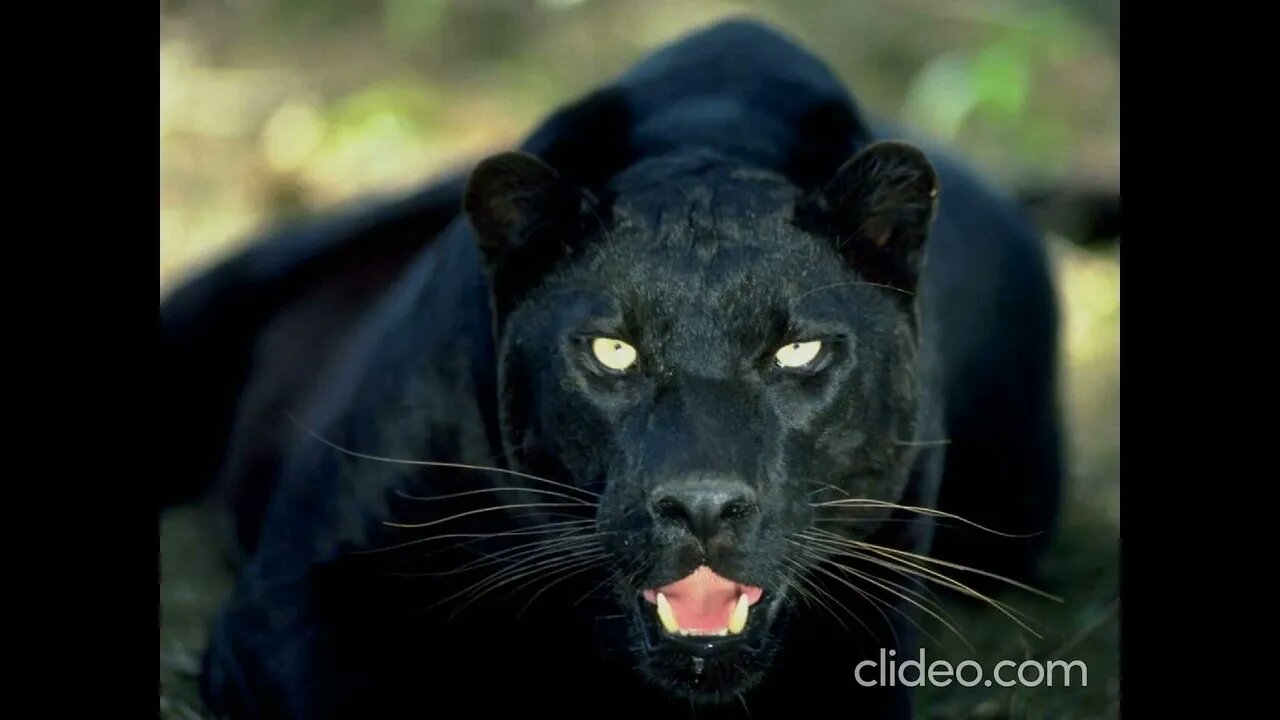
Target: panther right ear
{"points": [[522, 212], [881, 204]]}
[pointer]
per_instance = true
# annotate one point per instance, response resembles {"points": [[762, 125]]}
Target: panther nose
{"points": [[703, 506]]}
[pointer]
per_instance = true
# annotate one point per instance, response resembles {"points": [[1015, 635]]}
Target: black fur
{"points": [[719, 201]]}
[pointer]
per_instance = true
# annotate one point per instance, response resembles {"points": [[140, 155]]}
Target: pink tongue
{"points": [[704, 600]]}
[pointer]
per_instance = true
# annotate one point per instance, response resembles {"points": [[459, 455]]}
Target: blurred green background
{"points": [[273, 108]]}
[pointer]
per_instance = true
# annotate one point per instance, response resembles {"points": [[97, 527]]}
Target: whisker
{"points": [[433, 463], [570, 562], [934, 607], [869, 502], [480, 491], [477, 511], [1004, 609], [473, 536], [921, 443], [854, 282], [924, 587], [549, 585], [877, 583], [918, 591], [826, 486], [520, 552], [512, 574], [602, 583], [903, 591], [547, 555], [878, 521], [814, 587], [871, 599], [561, 535], [900, 565], [945, 563]]}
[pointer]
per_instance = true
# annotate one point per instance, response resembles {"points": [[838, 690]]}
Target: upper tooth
{"points": [[667, 615], [738, 619]]}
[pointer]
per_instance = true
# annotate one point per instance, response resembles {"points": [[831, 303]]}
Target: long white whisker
{"points": [[518, 553], [563, 576], [478, 511], [868, 502], [944, 563], [432, 463], [929, 574], [541, 529], [934, 603], [494, 582], [481, 491], [872, 600], [814, 587]]}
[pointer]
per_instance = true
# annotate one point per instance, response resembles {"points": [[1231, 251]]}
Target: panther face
{"points": [[705, 349]]}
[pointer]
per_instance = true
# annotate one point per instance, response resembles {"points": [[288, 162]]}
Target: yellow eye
{"points": [[797, 355], [613, 353]]}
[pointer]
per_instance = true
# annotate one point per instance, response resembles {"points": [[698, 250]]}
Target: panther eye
{"points": [[797, 355], [613, 353]]}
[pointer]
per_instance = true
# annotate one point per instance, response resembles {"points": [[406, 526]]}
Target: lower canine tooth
{"points": [[667, 615], [738, 620]]}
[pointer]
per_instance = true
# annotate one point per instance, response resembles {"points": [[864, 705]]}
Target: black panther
{"points": [[657, 412]]}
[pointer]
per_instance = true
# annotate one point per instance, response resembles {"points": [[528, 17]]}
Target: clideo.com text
{"points": [[890, 671]]}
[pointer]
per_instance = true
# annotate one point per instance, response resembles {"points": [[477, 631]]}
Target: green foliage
{"points": [[990, 89], [410, 23]]}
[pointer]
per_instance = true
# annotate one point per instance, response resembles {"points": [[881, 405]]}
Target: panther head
{"points": [[705, 346]]}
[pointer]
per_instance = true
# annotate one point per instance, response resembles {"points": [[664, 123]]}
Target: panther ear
{"points": [[521, 210], [881, 203]]}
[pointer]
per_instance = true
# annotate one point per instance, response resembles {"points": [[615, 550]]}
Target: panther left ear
{"points": [[881, 204], [520, 207]]}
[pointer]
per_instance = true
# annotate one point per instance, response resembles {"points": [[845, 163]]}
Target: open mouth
{"points": [[704, 607]]}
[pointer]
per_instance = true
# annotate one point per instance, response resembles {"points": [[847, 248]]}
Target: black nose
{"points": [[704, 506]]}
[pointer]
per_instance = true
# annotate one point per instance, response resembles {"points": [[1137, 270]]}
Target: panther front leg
{"points": [[271, 655], [297, 639]]}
